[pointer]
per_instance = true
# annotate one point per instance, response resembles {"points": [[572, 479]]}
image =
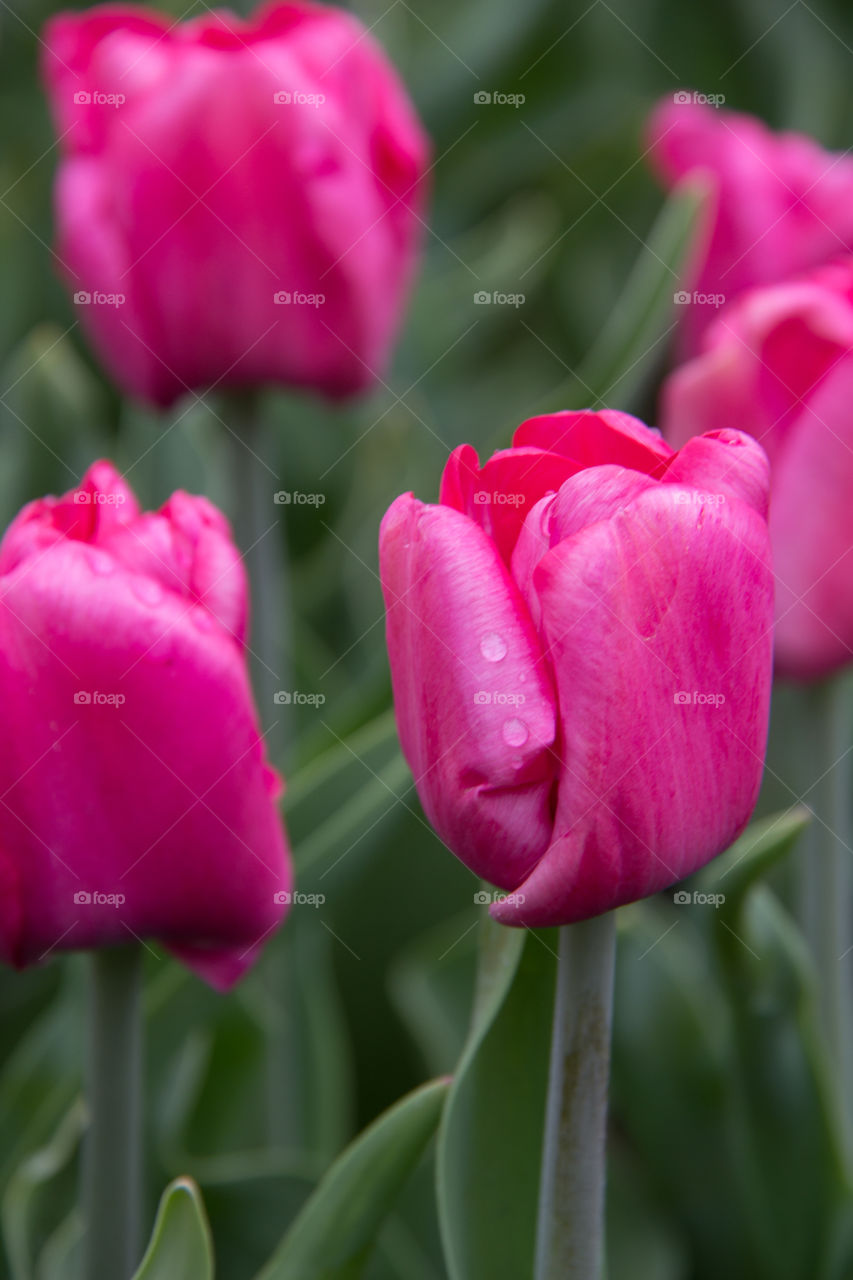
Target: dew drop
{"points": [[202, 619], [493, 647], [147, 591], [515, 733], [99, 562]]}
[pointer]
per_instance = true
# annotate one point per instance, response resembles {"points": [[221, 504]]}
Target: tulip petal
{"points": [[646, 616], [723, 466], [475, 708], [591, 439], [811, 531], [162, 798]]}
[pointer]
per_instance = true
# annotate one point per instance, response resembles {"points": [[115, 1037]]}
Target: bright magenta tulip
{"points": [[580, 646], [238, 201], [781, 204], [136, 798], [779, 363]]}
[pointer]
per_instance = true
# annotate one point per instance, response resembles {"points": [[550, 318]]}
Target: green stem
{"points": [[570, 1233], [253, 458], [826, 868], [113, 1151]]}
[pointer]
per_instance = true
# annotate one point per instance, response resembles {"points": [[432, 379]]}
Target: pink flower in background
{"points": [[780, 204], [580, 645], [779, 364], [136, 798], [238, 200]]}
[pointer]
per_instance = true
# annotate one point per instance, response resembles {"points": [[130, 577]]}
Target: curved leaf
{"points": [[180, 1244], [332, 1237], [490, 1141]]}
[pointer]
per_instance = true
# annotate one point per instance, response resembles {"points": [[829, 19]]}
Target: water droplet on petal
{"points": [[148, 591], [202, 619], [515, 733], [493, 647]]}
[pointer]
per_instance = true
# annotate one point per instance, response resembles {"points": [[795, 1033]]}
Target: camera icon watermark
{"points": [[485, 898], [294, 697], [94, 698], [89, 298], [296, 498], [284, 898], [494, 297], [498, 698], [293, 298], [684, 97], [683, 898], [84, 98], [497, 98], [693, 698], [695, 497], [83, 497], [485, 498], [85, 898], [298, 98], [683, 298]]}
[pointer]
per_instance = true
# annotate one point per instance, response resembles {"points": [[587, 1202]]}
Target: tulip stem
{"points": [[570, 1232], [258, 531], [827, 895], [112, 1154]]}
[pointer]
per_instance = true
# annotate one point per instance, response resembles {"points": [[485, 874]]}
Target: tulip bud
{"points": [[580, 645], [780, 365], [238, 201], [137, 801]]}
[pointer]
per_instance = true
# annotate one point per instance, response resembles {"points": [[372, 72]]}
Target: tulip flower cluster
{"points": [[768, 340]]}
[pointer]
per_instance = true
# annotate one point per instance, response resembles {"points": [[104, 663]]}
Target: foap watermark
{"points": [[684, 97], [485, 898], [95, 698], [284, 898], [497, 98], [293, 697], [293, 298], [683, 898], [298, 98], [498, 698], [494, 297], [296, 498], [695, 497], [94, 298], [684, 298], [83, 497], [94, 898], [95, 98], [485, 498], [693, 698]]}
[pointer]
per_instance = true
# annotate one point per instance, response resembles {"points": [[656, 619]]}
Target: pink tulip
{"points": [[580, 645], [136, 798], [779, 364], [238, 201], [781, 203]]}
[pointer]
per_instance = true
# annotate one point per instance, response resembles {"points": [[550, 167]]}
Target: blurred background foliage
{"points": [[723, 1157]]}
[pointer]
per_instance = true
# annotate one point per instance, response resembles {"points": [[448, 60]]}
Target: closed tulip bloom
{"points": [[580, 643], [136, 798], [779, 364], [781, 204], [238, 200]]}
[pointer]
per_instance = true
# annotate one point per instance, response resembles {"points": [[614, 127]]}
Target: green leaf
{"points": [[19, 1201], [757, 850], [332, 1237], [180, 1245], [633, 342], [490, 1141]]}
